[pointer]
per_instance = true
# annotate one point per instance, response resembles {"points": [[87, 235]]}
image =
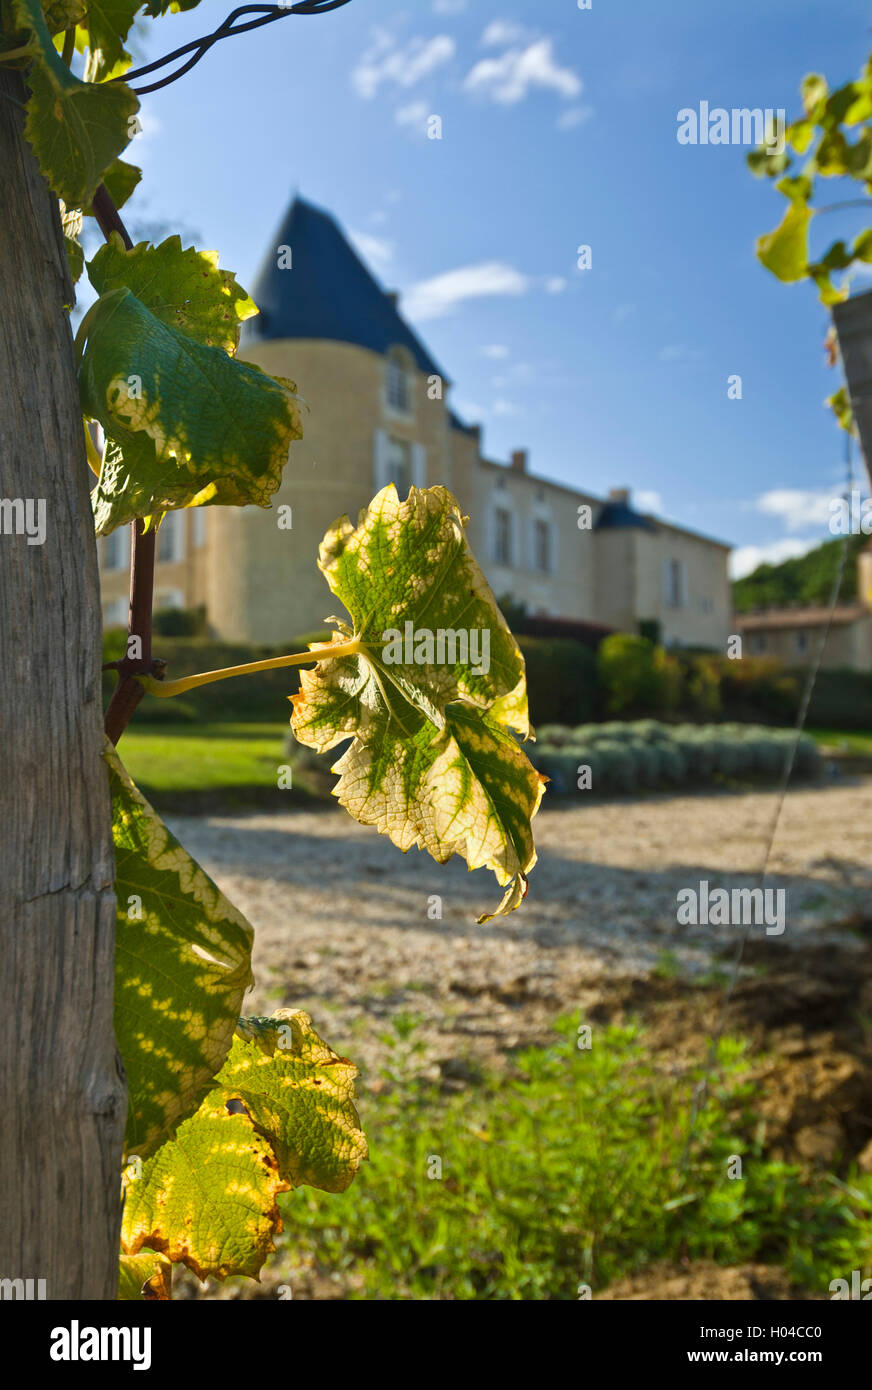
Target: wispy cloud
{"points": [[555, 284], [648, 501], [574, 116], [504, 31], [372, 248], [449, 6], [679, 352], [434, 298], [509, 77], [795, 507], [745, 558], [400, 65], [414, 114]]}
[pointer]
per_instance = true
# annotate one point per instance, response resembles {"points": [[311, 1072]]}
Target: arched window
{"points": [[398, 382]]}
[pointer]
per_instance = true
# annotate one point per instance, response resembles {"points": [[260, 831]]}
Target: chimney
{"points": [[394, 297], [519, 461], [620, 494]]}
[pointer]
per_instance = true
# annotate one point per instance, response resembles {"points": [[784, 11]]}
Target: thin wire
{"points": [[701, 1089], [198, 48]]}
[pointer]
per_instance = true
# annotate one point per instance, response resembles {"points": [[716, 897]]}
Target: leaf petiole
{"points": [[165, 689]]}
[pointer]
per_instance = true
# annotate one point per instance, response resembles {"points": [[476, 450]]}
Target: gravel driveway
{"points": [[342, 926]]}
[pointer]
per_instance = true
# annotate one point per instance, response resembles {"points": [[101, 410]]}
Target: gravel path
{"points": [[342, 926]]}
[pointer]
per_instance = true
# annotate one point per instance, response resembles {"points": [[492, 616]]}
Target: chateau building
{"points": [[378, 410]]}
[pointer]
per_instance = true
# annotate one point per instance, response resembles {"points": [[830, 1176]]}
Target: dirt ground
{"points": [[342, 930]]}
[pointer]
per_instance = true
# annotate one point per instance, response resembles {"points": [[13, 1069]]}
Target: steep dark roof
{"points": [[620, 514], [329, 293]]}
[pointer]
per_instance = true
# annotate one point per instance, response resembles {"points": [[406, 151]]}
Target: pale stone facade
{"points": [[379, 414]]}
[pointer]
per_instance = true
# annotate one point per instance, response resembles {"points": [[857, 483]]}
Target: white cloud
{"points": [[504, 31], [509, 78], [372, 248], [495, 350], [745, 559], [555, 284], [403, 65], [573, 116], [798, 509], [679, 352], [449, 6], [646, 501], [502, 407], [432, 299], [415, 114]]}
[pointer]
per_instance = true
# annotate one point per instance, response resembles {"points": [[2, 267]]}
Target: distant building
{"points": [[378, 412], [792, 634]]}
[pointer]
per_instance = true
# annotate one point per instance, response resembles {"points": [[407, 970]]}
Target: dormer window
{"points": [[398, 383]]}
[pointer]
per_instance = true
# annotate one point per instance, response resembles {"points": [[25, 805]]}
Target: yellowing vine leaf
{"points": [[182, 966], [184, 289], [147, 1275], [76, 129], [188, 424], [432, 764], [280, 1114]]}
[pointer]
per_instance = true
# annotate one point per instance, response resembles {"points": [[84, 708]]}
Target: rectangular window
{"points": [[802, 641], [399, 465], [198, 526], [502, 536], [674, 584], [397, 386], [170, 543], [757, 643], [542, 546], [116, 549]]}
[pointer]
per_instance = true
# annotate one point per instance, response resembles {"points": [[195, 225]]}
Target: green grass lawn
{"points": [[847, 740], [209, 766]]}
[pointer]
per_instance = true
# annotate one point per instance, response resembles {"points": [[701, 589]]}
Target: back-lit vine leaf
{"points": [[189, 424], [432, 763], [280, 1114], [145, 1277], [182, 288], [182, 966], [76, 129]]}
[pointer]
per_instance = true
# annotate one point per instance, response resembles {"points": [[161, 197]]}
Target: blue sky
{"points": [[558, 130]]}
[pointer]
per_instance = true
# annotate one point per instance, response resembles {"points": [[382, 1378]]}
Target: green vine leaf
{"points": [[104, 29], [182, 966], [120, 179], [184, 289], [146, 1276], [76, 129], [281, 1114], [188, 424], [63, 14], [785, 251], [431, 764]]}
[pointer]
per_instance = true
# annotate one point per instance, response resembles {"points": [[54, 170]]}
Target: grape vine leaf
{"points": [[75, 129], [104, 29], [186, 423], [182, 288], [182, 966], [147, 1275], [120, 179], [281, 1114], [432, 763]]}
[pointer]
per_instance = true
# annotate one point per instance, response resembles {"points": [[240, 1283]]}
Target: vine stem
{"points": [[166, 689], [128, 692]]}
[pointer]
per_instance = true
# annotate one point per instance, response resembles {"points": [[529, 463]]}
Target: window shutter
{"points": [[380, 460], [419, 465], [665, 581], [552, 543], [683, 585], [490, 528]]}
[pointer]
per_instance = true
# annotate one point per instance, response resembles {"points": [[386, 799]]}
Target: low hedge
{"points": [[648, 755]]}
